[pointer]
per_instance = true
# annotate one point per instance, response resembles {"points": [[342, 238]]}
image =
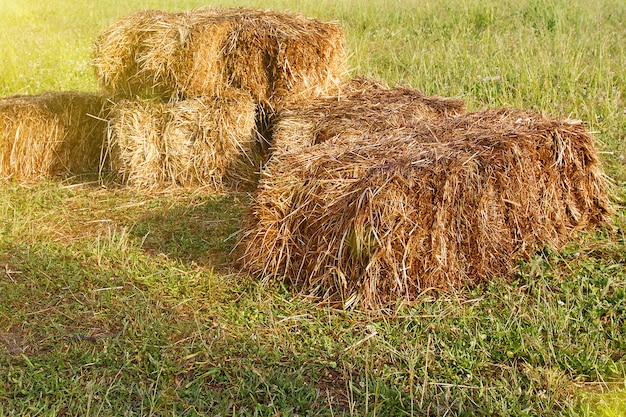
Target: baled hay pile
{"points": [[200, 141], [202, 52], [363, 106], [444, 204], [51, 134]]}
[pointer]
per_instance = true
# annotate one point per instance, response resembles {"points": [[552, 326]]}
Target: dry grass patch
{"points": [[51, 134], [446, 203]]}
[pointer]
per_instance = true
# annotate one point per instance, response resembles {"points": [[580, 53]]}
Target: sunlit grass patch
{"points": [[606, 404]]}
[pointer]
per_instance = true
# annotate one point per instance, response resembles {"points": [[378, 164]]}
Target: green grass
{"points": [[114, 302]]}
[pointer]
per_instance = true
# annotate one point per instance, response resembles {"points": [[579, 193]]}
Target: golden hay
{"points": [[205, 51], [363, 105], [443, 204], [51, 134], [200, 141]]}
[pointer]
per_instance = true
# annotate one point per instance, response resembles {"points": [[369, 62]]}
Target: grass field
{"points": [[120, 303]]}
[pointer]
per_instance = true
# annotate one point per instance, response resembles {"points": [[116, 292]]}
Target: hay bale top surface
{"points": [[282, 25], [363, 106], [486, 135], [442, 204], [359, 90], [55, 102]]}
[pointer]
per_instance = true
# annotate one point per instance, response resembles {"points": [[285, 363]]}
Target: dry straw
{"points": [[363, 106], [442, 204], [51, 134], [207, 141], [203, 52], [140, 54]]}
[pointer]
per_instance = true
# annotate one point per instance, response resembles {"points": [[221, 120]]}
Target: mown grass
{"points": [[116, 302]]}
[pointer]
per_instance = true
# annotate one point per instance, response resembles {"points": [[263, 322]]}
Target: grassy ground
{"points": [[114, 302]]}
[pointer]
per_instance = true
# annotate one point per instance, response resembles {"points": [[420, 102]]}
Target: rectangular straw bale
{"points": [[147, 55], [279, 55], [202, 141], [56, 133], [363, 105], [443, 204], [135, 142], [202, 52]]}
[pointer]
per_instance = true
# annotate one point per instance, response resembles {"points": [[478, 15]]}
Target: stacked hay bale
{"points": [[215, 61], [205, 141], [372, 194], [204, 52], [363, 106], [51, 134], [448, 202]]}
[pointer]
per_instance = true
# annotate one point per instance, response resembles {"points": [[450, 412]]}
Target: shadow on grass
{"points": [[100, 339], [201, 231], [194, 226]]}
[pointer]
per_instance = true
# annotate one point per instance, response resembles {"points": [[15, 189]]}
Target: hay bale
{"points": [[57, 133], [284, 55], [135, 142], [203, 52], [208, 141], [148, 54], [364, 105], [443, 204]]}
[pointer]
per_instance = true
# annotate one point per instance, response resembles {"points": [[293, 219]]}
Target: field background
{"points": [[114, 302]]}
